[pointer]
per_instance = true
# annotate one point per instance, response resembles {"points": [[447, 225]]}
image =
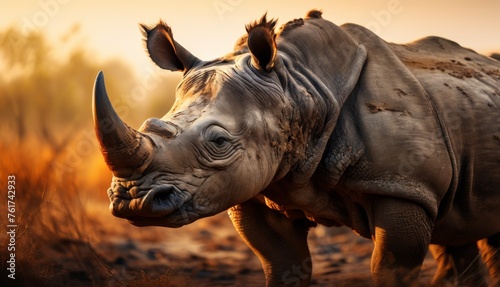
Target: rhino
{"points": [[315, 123]]}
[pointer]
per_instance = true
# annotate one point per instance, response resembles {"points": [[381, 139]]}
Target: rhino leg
{"points": [[279, 242], [458, 266], [490, 249], [402, 232], [445, 274]]}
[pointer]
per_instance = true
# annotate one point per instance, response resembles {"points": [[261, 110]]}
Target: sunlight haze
{"points": [[209, 28], [412, 137]]}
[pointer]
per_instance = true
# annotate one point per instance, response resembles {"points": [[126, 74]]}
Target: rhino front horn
{"points": [[125, 150]]}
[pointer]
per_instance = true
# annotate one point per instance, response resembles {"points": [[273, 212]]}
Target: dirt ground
{"points": [[206, 253]]}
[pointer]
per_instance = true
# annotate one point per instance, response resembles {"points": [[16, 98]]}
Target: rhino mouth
{"points": [[178, 218], [164, 205]]}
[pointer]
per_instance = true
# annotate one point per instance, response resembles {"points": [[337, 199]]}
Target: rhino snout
{"points": [[160, 201]]}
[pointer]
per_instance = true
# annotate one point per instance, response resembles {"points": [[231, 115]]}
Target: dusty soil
{"points": [[209, 252]]}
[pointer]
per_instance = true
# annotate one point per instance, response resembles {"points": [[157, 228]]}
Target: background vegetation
{"points": [[47, 142]]}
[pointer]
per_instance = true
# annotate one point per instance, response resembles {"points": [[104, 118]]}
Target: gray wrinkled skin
{"points": [[328, 125]]}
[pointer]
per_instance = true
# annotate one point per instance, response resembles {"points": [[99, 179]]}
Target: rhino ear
{"points": [[165, 51], [262, 43]]}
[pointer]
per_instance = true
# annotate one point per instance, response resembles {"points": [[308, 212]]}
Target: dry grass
{"points": [[57, 227], [48, 214]]}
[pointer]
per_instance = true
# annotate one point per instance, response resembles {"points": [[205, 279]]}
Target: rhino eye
{"points": [[218, 147], [220, 141], [218, 137]]}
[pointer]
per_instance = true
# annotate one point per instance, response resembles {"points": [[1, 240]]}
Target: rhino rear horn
{"points": [[125, 150]]}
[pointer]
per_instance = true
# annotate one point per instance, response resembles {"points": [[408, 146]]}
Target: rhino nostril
{"points": [[162, 198]]}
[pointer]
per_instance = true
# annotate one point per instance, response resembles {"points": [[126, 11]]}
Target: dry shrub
{"points": [[57, 232], [52, 233]]}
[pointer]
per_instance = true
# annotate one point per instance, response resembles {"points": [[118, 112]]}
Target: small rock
{"points": [[152, 254], [120, 261], [244, 271], [226, 277], [205, 234]]}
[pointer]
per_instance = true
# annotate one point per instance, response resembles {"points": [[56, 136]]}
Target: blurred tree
{"points": [[46, 96], [46, 129]]}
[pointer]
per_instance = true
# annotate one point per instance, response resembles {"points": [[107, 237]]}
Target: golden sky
{"points": [[209, 28]]}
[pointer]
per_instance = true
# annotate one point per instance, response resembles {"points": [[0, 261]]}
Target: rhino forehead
{"points": [[229, 85], [205, 82]]}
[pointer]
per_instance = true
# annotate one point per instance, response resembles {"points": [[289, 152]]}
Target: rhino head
{"points": [[209, 152], [232, 131]]}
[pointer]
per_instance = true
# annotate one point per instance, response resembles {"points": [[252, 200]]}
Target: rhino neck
{"points": [[317, 79], [310, 122], [321, 50]]}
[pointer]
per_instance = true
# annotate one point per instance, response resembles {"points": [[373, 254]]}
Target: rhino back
{"points": [[465, 89], [397, 123], [428, 111]]}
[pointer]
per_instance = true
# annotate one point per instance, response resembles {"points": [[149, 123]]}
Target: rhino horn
{"points": [[125, 150]]}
